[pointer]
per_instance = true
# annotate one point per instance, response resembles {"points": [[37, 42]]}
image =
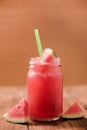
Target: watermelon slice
{"points": [[73, 112], [18, 113], [48, 55]]}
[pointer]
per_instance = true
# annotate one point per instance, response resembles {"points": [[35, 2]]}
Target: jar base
{"points": [[44, 119]]}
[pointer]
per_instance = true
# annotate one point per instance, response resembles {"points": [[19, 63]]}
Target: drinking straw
{"points": [[38, 41]]}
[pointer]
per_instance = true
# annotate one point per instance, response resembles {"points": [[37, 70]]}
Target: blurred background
{"points": [[62, 26]]}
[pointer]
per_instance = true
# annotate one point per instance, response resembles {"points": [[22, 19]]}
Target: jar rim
{"points": [[34, 61]]}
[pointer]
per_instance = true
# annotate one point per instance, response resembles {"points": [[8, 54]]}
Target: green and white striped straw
{"points": [[38, 41]]}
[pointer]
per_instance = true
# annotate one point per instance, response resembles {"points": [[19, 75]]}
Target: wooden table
{"points": [[9, 96]]}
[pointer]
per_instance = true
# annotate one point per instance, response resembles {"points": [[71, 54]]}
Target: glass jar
{"points": [[45, 91]]}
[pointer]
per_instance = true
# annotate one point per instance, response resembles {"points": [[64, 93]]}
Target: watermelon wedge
{"points": [[73, 112], [48, 55], [18, 113]]}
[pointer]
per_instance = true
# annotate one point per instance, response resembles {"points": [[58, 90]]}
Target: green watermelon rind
{"points": [[50, 51], [15, 120], [73, 116]]}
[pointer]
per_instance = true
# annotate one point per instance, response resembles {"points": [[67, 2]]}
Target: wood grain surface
{"points": [[9, 96]]}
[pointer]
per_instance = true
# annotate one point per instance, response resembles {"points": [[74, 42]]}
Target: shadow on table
{"points": [[60, 124], [64, 123]]}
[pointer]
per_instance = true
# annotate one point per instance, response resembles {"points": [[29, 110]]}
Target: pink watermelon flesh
{"points": [[74, 112], [48, 55], [18, 113]]}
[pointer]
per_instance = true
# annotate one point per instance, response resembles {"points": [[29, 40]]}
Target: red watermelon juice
{"points": [[45, 89]]}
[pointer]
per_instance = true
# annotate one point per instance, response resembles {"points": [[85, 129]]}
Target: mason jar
{"points": [[45, 90]]}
